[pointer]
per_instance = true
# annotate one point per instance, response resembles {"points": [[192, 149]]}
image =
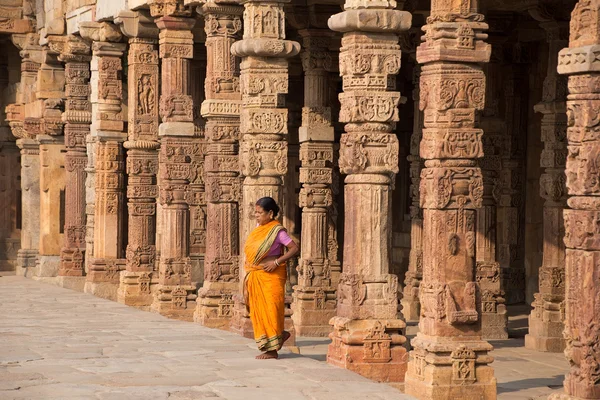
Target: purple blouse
{"points": [[282, 239]]}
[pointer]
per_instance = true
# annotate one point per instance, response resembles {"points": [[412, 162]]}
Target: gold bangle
{"points": [[277, 262]]}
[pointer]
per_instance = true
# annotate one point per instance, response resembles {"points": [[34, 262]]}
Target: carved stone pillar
{"points": [[138, 282], [264, 120], [489, 275], [411, 307], [582, 217], [108, 179], [50, 94], [510, 194], [223, 26], [546, 319], [77, 118], [31, 54], [315, 295], [176, 293], [450, 360], [368, 336]]}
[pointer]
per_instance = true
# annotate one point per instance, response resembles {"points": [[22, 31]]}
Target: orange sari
{"points": [[264, 291]]}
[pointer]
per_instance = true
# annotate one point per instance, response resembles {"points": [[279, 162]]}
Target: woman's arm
{"points": [[292, 250]]}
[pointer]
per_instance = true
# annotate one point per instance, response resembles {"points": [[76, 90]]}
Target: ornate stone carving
{"points": [[367, 294], [176, 292], [452, 191], [138, 283], [582, 269], [77, 118], [223, 26], [264, 119], [545, 333]]}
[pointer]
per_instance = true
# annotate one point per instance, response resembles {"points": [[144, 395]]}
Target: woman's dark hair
{"points": [[268, 204]]}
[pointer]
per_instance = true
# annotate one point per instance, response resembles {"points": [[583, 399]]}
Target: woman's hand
{"points": [[270, 266]]}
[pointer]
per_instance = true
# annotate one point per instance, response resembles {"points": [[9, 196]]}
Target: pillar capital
{"points": [[99, 31], [136, 24]]}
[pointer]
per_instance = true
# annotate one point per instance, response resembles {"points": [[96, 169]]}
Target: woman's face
{"points": [[262, 216]]}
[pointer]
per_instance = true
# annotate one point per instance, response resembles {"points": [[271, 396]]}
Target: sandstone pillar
{"points": [[582, 217], [546, 319], [264, 119], [77, 118], [411, 307], [223, 26], [138, 281], [50, 95], [176, 293], [108, 179], [315, 295], [368, 336], [450, 360], [489, 275], [31, 58]]}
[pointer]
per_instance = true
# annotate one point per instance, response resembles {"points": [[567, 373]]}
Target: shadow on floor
{"points": [[531, 383]]}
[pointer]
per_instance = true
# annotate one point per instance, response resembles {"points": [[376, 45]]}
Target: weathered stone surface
{"points": [[581, 281], [449, 358]]}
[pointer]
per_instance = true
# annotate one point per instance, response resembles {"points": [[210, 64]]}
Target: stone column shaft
{"points": [[30, 170], [138, 282], [77, 118], [223, 26], [450, 360], [368, 336], [106, 166], [176, 293], [50, 96], [582, 217], [411, 307], [546, 319], [315, 295], [264, 120]]}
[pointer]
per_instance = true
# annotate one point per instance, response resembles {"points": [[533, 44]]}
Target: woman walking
{"points": [[264, 286]]}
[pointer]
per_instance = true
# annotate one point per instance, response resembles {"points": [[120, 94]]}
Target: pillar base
{"points": [[104, 290], [494, 326], [47, 266], [450, 368], [563, 396], [545, 327], [240, 322], [214, 307], [76, 283], [176, 301], [26, 260], [137, 289], [372, 348], [311, 323]]}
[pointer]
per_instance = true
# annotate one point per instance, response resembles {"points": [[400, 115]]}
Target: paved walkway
{"points": [[60, 344]]}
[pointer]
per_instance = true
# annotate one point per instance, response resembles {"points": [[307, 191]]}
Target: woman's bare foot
{"points": [[268, 355], [286, 335]]}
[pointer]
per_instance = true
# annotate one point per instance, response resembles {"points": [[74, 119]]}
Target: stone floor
{"points": [[61, 344]]}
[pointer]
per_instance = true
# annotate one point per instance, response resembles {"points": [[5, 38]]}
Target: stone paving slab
{"points": [[60, 344]]}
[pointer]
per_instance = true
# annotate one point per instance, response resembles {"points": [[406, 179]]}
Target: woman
{"points": [[264, 286]]}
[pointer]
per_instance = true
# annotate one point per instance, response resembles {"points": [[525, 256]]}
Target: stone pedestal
{"points": [[264, 121], [582, 230], [223, 26], [546, 319], [368, 335], [450, 359]]}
